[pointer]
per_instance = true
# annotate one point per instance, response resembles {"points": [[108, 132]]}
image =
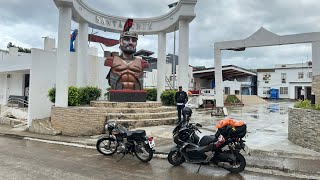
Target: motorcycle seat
{"points": [[137, 133], [205, 140]]}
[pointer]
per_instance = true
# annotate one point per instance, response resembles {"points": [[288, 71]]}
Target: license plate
{"points": [[151, 144]]}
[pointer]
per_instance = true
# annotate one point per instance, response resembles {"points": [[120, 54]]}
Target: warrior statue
{"points": [[126, 71]]}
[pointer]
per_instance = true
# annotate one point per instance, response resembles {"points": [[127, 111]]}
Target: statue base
{"points": [[128, 95]]}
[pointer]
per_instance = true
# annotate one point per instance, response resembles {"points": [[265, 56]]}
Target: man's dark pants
{"points": [[179, 108]]}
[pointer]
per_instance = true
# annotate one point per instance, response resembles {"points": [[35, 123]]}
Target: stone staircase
{"points": [[139, 114], [251, 99], [90, 120], [13, 116]]}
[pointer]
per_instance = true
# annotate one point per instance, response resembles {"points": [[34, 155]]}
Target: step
{"points": [[131, 124], [141, 116], [149, 104], [140, 110], [11, 121]]}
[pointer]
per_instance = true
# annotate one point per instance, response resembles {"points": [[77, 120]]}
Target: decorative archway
{"points": [[80, 12], [261, 38]]}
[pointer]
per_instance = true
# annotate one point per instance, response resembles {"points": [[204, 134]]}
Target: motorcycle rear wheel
{"points": [[106, 146], [239, 165], [175, 157], [143, 152]]}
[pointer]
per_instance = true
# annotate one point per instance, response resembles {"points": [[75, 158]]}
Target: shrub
{"points": [[305, 104], [167, 97], [317, 106], [78, 96], [87, 94], [52, 95], [107, 94], [232, 99], [151, 94], [73, 96]]}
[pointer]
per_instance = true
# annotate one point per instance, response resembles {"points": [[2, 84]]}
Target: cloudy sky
{"points": [[25, 22]]}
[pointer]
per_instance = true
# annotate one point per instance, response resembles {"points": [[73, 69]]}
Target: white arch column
{"points": [[5, 89], [82, 53], [183, 79], [218, 77], [161, 64], [63, 57], [316, 70]]}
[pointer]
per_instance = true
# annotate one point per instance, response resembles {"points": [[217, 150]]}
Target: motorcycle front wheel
{"points": [[106, 146], [143, 152], [238, 165], [175, 157]]}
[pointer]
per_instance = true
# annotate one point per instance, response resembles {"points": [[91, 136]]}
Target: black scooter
{"points": [[189, 147]]}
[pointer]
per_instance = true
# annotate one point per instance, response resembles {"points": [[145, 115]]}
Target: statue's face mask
{"points": [[128, 45]]}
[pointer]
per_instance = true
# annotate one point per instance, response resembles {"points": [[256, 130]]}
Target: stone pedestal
{"points": [[128, 96]]}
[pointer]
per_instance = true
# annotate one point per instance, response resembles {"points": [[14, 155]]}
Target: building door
{"points": [[245, 91], [226, 90], [308, 92], [26, 86], [298, 92]]}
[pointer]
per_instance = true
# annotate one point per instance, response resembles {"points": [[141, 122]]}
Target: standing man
{"points": [[181, 98]]}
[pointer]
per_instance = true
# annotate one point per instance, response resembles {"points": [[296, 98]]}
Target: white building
{"points": [[236, 80], [291, 80], [150, 78], [37, 70], [14, 73]]}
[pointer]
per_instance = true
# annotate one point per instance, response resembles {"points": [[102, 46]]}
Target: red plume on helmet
{"points": [[127, 25], [126, 28]]}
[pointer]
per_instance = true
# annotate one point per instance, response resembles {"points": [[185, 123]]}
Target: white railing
{"points": [[14, 100]]}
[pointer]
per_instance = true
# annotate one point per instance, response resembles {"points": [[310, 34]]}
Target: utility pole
{"points": [[174, 51], [174, 60]]}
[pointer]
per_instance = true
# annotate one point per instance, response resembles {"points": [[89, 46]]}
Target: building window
{"points": [[283, 90], [145, 74], [283, 77], [300, 75], [226, 90], [266, 77], [309, 74], [266, 90]]}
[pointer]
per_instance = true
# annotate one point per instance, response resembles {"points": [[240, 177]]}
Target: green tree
{"points": [[20, 49]]}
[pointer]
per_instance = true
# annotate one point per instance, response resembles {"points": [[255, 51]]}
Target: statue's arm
{"points": [[108, 61], [144, 64]]}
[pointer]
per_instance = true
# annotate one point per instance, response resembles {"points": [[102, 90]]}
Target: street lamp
{"points": [[174, 52]]}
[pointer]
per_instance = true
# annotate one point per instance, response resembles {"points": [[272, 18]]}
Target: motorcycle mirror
{"points": [[199, 125]]}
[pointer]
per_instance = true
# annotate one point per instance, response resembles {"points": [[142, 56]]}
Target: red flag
{"points": [[106, 41]]}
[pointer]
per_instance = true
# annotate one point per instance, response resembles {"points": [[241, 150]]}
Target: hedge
{"points": [[78, 96], [151, 94], [167, 97]]}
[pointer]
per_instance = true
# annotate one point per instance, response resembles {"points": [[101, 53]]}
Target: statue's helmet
{"points": [[126, 28], [129, 34]]}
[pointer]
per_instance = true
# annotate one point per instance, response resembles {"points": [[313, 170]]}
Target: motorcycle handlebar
{"points": [[195, 128]]}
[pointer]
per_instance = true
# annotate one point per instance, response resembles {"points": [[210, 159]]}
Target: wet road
{"points": [[24, 159]]}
